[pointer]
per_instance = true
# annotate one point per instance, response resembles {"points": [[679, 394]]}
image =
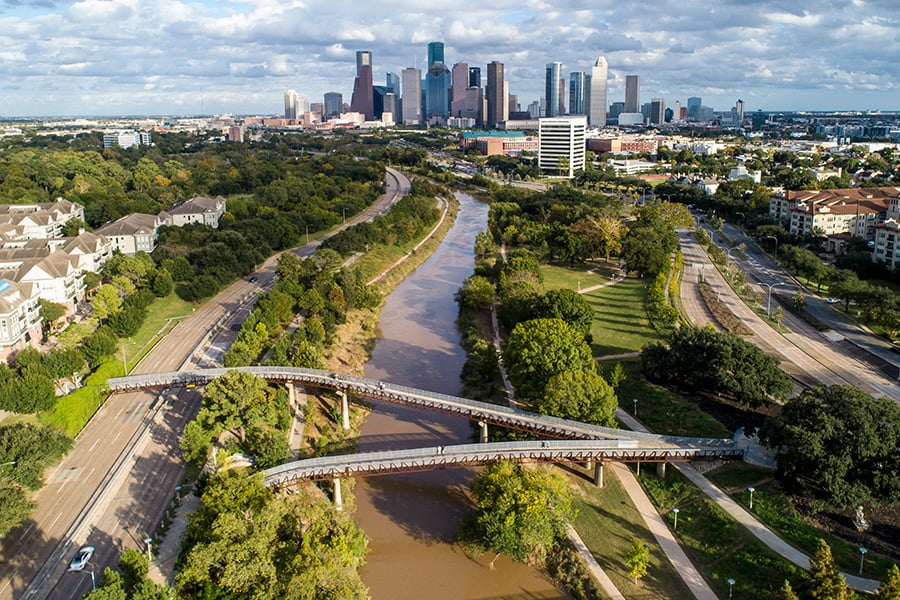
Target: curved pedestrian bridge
{"points": [[481, 412], [466, 455]]}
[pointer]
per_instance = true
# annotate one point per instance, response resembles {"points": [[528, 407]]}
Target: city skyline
{"points": [[82, 58]]}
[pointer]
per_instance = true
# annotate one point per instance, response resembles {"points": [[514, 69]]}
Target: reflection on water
{"points": [[412, 518]]}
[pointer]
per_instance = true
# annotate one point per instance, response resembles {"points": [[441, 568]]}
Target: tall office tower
{"points": [[474, 107], [513, 104], [435, 53], [534, 109], [576, 93], [632, 93], [505, 112], [411, 100], [657, 111], [551, 88], [586, 100], [392, 106], [616, 109], [739, 110], [597, 106], [474, 76], [562, 144], [693, 106], [437, 91], [460, 76], [496, 99], [676, 111], [363, 99], [392, 83], [334, 103], [291, 105]]}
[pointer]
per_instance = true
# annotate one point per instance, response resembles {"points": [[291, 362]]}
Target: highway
{"points": [[807, 355], [112, 488]]}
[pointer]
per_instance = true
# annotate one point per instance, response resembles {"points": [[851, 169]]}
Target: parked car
{"points": [[81, 559]]}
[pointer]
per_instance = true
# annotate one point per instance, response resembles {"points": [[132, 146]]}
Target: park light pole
{"points": [[730, 588], [635, 406], [776, 245], [751, 489], [149, 542], [769, 301], [862, 557], [675, 512], [307, 235], [93, 581], [743, 215], [12, 462]]}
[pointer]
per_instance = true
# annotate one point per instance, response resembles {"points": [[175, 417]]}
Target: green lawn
{"points": [[607, 521], [621, 323], [661, 410], [558, 276], [162, 315], [716, 543]]}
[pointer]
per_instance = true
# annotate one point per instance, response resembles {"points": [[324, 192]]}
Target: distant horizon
{"points": [[112, 57]]}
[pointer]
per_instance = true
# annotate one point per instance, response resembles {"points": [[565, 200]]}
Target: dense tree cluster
{"points": [[247, 543], [721, 363], [838, 444], [131, 581], [519, 511], [254, 416]]}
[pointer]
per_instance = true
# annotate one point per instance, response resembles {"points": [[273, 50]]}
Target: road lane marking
{"points": [[54, 521], [9, 581]]}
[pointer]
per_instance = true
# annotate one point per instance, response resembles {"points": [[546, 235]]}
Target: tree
{"points": [[638, 559], [538, 349], [477, 292], [106, 302], [579, 395], [785, 592], [519, 511], [602, 234], [890, 585], [568, 305], [647, 251], [825, 583], [839, 444], [50, 313], [33, 448], [15, 506], [235, 402]]}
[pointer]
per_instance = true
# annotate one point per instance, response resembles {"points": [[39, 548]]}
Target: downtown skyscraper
{"points": [[552, 99], [632, 94], [597, 108], [363, 99], [496, 95], [411, 100]]}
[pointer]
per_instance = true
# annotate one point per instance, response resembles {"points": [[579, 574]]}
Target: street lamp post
{"points": [[862, 557], [730, 588], [149, 542], [776, 244], [307, 235], [743, 215], [12, 462], [769, 301], [635, 406], [93, 581], [675, 512], [751, 490]]}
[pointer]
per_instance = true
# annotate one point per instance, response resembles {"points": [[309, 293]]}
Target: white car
{"points": [[81, 559], [832, 300]]}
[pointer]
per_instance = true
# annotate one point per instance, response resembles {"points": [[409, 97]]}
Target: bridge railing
{"points": [[472, 409]]}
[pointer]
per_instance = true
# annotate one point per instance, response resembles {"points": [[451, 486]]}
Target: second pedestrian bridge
{"points": [[582, 441]]}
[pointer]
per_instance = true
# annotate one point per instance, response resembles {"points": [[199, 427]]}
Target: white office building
{"points": [[562, 144]]}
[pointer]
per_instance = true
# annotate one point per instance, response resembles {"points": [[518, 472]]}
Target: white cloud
{"points": [[782, 53]]}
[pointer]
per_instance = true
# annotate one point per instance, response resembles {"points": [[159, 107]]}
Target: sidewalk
{"points": [[744, 518]]}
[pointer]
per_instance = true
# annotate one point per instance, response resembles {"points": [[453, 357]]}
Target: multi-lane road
{"points": [[112, 489]]}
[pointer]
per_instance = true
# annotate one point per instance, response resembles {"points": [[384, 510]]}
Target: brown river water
{"points": [[411, 519]]}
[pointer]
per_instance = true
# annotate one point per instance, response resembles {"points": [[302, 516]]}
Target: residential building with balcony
{"points": [[37, 221], [887, 237], [132, 233], [198, 209], [854, 211], [20, 318]]}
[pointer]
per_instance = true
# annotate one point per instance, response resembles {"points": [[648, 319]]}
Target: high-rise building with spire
{"points": [[437, 84], [552, 88], [632, 93], [435, 53], [363, 99], [597, 107], [495, 92]]}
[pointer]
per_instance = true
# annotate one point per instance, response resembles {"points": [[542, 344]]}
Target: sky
{"points": [[183, 57]]}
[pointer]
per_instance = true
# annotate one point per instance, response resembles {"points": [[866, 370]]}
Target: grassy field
{"points": [[607, 522], [716, 543], [661, 410], [621, 323], [162, 315], [580, 276]]}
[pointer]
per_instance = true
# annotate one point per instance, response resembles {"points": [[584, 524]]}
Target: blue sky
{"points": [[105, 57]]}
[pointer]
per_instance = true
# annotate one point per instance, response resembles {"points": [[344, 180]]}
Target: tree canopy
{"points": [[519, 511], [839, 444]]}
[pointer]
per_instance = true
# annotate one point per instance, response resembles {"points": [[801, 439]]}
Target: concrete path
{"points": [[746, 519], [664, 536], [162, 567], [593, 566]]}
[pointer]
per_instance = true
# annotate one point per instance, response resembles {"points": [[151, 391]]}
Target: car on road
{"points": [[832, 300], [252, 279], [81, 559]]}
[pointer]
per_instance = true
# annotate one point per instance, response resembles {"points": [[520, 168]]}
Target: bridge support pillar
{"points": [[638, 469], [661, 470], [292, 393], [598, 474], [345, 409], [589, 464], [338, 500], [482, 432]]}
